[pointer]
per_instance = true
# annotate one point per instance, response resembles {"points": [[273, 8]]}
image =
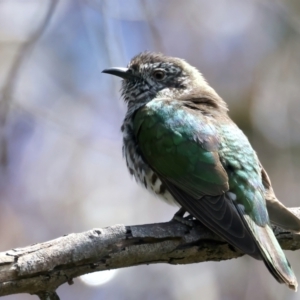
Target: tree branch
{"points": [[41, 268]]}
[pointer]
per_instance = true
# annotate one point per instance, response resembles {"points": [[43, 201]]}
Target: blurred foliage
{"points": [[60, 144]]}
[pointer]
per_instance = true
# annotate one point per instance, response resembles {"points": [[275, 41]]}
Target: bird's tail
{"points": [[272, 254]]}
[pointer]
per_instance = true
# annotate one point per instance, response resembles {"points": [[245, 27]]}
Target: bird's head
{"points": [[154, 75]]}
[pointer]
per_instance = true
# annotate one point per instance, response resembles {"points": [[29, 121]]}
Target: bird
{"points": [[181, 145]]}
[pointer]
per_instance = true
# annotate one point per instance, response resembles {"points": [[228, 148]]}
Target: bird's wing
{"points": [[181, 146]]}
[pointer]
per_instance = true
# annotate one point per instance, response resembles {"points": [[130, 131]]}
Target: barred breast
{"points": [[140, 170]]}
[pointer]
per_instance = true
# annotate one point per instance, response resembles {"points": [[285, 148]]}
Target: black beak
{"points": [[124, 73]]}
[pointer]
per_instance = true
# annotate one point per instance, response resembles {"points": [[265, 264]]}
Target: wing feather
{"points": [[185, 157]]}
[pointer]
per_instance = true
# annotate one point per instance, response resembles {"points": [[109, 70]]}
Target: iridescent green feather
{"points": [[177, 151], [201, 158]]}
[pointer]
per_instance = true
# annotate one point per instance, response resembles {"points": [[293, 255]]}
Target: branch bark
{"points": [[41, 268]]}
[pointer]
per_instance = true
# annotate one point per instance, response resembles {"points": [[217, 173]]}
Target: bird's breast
{"points": [[140, 169]]}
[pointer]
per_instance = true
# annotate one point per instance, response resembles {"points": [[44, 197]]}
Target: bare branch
{"points": [[41, 268], [9, 84], [48, 296]]}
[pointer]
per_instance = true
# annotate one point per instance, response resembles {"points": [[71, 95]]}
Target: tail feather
{"points": [[272, 254]]}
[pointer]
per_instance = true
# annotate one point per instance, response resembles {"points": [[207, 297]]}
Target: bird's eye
{"points": [[159, 74]]}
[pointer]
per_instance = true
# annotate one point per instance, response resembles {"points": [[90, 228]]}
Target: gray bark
{"points": [[41, 268]]}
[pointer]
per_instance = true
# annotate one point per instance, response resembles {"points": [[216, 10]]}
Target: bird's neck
{"points": [[203, 98]]}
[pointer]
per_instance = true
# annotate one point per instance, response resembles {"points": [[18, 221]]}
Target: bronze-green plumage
{"points": [[180, 143]]}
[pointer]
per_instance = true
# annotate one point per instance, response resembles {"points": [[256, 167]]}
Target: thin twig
{"points": [[11, 79]]}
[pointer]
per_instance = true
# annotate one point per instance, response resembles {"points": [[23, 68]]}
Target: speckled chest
{"points": [[139, 168]]}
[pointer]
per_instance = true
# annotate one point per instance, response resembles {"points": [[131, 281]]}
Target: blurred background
{"points": [[61, 165]]}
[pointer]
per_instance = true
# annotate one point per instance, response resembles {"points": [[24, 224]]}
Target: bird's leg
{"points": [[179, 217]]}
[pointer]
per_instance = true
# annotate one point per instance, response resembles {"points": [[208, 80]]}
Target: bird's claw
{"points": [[186, 221], [179, 217]]}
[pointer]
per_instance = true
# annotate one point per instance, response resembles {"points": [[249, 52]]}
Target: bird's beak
{"points": [[124, 73]]}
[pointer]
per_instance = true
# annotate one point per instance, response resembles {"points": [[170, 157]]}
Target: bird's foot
{"points": [[179, 217], [186, 221]]}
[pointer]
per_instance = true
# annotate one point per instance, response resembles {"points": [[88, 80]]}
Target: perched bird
{"points": [[181, 145]]}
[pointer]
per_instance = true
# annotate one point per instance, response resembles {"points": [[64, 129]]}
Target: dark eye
{"points": [[159, 74]]}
